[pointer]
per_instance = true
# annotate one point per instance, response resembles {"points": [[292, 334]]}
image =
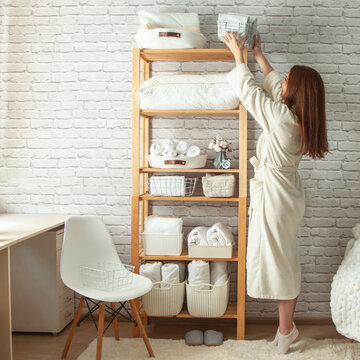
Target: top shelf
{"points": [[186, 54]]}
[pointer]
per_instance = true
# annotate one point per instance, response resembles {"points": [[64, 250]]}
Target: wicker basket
{"points": [[171, 185], [218, 185]]}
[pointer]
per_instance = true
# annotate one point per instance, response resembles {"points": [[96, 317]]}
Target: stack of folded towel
{"points": [[170, 148], [163, 274], [217, 235], [203, 272]]}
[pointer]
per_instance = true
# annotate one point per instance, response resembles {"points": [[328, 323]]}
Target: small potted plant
{"points": [[221, 146]]}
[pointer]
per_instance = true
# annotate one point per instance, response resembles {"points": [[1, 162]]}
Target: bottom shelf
{"points": [[230, 313]]}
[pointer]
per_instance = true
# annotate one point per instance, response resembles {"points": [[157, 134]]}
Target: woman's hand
{"points": [[235, 46], [256, 49]]}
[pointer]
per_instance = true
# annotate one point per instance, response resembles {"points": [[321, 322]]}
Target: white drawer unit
{"points": [[40, 301]]}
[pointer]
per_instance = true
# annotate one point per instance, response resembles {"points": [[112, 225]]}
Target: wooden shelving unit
{"points": [[142, 59]]}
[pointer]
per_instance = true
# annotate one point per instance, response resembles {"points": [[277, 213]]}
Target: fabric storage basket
{"points": [[219, 185], [162, 244], [171, 186], [211, 251], [207, 303], [166, 301], [180, 162]]}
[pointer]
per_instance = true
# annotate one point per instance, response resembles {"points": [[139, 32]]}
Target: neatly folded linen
{"points": [[182, 147], [193, 151], [163, 225], [219, 234], [199, 273], [170, 273], [152, 270], [218, 272], [155, 149], [198, 236]]}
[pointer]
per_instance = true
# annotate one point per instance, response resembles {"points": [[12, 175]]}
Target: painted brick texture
{"points": [[65, 117]]}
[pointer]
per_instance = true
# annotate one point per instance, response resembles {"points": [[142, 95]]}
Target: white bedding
{"points": [[177, 92]]}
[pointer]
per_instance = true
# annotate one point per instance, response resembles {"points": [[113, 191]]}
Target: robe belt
{"points": [[256, 163]]}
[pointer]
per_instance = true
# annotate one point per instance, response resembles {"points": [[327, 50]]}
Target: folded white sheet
{"points": [[152, 270], [170, 273], [218, 272], [199, 273], [219, 234], [198, 236], [193, 151], [163, 225]]}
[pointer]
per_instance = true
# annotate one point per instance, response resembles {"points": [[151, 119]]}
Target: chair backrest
{"points": [[86, 242]]}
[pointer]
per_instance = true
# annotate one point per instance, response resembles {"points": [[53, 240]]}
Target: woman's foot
{"points": [[284, 341], [276, 339]]}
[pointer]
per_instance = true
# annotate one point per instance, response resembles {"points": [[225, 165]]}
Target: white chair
{"points": [[87, 241]]}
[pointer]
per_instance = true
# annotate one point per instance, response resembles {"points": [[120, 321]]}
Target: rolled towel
{"points": [[182, 147], [193, 151], [168, 144], [218, 272], [219, 234], [182, 270], [198, 236], [199, 273], [152, 270], [155, 149], [170, 273], [169, 152]]}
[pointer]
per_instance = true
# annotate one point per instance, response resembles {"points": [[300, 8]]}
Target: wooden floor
{"points": [[49, 347]]}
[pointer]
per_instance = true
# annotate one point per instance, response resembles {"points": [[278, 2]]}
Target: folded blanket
{"points": [[163, 225], [155, 149], [182, 147], [218, 272], [219, 234], [199, 273], [170, 273], [198, 236], [193, 151], [152, 271]]}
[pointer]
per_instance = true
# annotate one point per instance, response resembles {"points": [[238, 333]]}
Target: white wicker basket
{"points": [[207, 303], [179, 162], [171, 185], [162, 244], [218, 185], [164, 301]]}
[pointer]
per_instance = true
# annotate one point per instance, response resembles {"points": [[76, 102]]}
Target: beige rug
{"points": [[164, 349]]}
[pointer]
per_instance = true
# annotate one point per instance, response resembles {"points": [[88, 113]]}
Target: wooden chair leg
{"points": [[115, 321], [136, 314], [73, 327], [100, 331]]}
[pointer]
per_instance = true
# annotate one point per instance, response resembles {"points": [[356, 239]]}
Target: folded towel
{"points": [[199, 273], [155, 149], [152, 271], [218, 272], [163, 225], [219, 234], [198, 236], [170, 273], [168, 144], [182, 270], [193, 151], [182, 147]]}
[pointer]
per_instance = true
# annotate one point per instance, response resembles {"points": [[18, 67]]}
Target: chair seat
{"points": [[139, 287]]}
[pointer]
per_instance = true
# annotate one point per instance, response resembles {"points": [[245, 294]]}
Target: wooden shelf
{"points": [[184, 257], [151, 170], [186, 54], [230, 313], [187, 198], [195, 113]]}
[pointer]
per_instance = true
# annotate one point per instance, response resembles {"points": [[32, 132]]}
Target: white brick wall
{"points": [[65, 110]]}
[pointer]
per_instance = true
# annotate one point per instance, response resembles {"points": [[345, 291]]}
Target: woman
{"points": [[293, 123]]}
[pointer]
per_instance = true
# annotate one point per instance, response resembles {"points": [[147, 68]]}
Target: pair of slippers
{"points": [[208, 337]]}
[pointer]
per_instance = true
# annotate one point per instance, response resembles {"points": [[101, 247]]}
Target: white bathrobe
{"points": [[277, 201]]}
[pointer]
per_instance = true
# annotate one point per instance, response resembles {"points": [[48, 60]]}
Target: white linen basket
{"points": [[218, 186], [180, 162], [171, 185], [166, 301], [162, 244], [207, 303]]}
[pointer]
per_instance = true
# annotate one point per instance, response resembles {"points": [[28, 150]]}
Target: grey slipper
{"points": [[194, 337], [213, 338]]}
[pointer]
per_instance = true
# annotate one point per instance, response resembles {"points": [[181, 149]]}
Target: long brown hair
{"points": [[305, 96]]}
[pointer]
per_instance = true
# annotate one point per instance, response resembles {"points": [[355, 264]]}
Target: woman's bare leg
{"points": [[286, 315]]}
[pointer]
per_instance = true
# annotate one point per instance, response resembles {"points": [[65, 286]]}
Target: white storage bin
{"points": [[218, 185], [164, 301], [171, 185], [207, 303], [179, 162], [212, 252], [162, 244]]}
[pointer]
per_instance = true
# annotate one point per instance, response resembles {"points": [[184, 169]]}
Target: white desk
{"points": [[15, 228]]}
